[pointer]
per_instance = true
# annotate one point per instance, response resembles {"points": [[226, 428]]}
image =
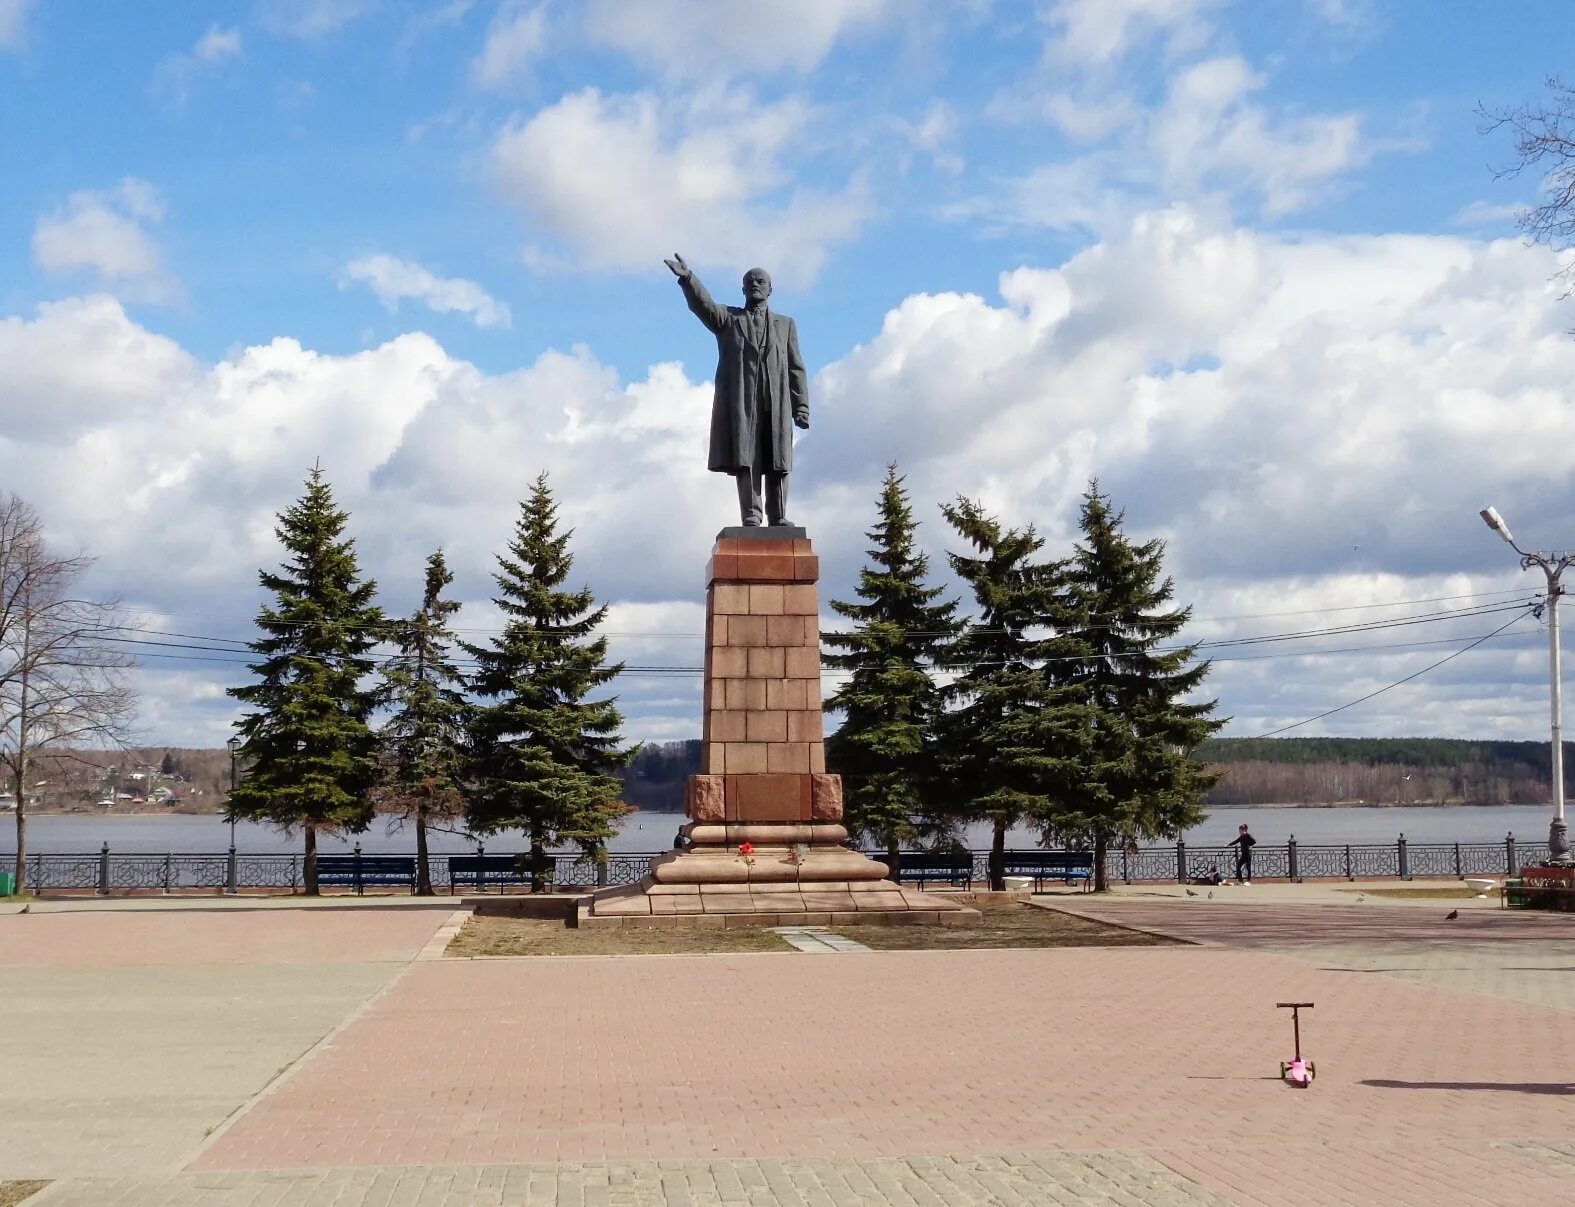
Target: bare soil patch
{"points": [[12, 1193], [505, 936], [1006, 924]]}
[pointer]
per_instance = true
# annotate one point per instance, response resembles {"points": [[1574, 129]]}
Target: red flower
{"points": [[746, 848]]}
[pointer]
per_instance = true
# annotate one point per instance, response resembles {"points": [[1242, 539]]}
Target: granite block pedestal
{"points": [[763, 779]]}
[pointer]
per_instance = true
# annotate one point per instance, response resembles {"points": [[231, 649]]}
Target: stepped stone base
{"points": [[770, 903]]}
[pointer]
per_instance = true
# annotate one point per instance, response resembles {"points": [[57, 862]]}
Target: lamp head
{"points": [[234, 743], [1493, 520]]}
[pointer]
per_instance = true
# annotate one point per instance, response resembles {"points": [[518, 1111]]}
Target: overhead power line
{"points": [[1390, 687]]}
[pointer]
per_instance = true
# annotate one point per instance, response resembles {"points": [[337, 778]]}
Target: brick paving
{"points": [[897, 1053], [117, 934], [1110, 1076], [1285, 927], [130, 1033]]}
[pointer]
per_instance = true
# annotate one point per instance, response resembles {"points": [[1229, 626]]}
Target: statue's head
{"points": [[757, 285]]}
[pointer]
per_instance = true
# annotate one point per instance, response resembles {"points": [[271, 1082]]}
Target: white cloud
{"points": [[703, 38], [515, 39], [1309, 422], [1095, 32], [1208, 134], [393, 279], [13, 22], [177, 74], [217, 45], [104, 233], [1208, 140], [1481, 214], [626, 180], [310, 19]]}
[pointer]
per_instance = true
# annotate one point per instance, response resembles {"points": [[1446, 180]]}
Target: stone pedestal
{"points": [[763, 778]]}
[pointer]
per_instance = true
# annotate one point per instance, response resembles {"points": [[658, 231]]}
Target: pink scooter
{"points": [[1296, 1071]]}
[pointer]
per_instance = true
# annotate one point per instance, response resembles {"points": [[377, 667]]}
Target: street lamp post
{"points": [[1552, 564], [230, 879]]}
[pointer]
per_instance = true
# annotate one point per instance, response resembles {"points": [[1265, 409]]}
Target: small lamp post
{"points": [[1552, 565], [230, 885]]}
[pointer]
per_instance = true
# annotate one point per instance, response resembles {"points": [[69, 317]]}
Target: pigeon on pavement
{"points": [[1451, 915], [1190, 893]]}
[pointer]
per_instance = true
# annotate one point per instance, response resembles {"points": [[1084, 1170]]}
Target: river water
{"points": [[71, 833]]}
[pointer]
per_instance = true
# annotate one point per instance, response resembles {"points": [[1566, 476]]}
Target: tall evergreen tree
{"points": [[542, 751], [424, 741], [1138, 777], [308, 742], [1011, 738], [890, 704]]}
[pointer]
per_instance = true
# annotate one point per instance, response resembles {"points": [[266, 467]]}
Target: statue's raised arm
{"points": [[760, 394]]}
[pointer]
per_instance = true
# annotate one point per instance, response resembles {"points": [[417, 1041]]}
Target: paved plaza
{"points": [[235, 1053]]}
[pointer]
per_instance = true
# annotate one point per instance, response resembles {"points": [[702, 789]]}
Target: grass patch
{"points": [[503, 936], [1007, 924], [12, 1193], [1452, 893]]}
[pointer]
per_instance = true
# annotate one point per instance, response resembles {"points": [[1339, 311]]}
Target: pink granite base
{"points": [[770, 903]]}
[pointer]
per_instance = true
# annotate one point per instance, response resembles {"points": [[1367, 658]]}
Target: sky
{"points": [[1254, 266]]}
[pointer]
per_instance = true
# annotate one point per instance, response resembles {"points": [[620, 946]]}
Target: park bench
{"points": [[953, 867], [1051, 865], [358, 871], [478, 871]]}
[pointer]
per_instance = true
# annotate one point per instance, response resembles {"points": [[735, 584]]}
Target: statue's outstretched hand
{"points": [[802, 421], [680, 269]]}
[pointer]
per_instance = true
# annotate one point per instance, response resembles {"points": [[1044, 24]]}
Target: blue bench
{"points": [[953, 867], [358, 871], [1051, 865]]}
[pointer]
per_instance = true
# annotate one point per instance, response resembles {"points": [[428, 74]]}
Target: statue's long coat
{"points": [[754, 386]]}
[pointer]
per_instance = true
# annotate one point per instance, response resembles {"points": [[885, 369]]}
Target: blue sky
{"points": [[1246, 262]]}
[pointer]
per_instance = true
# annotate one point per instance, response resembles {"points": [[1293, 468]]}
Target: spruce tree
{"points": [[1010, 740], [885, 748], [543, 751], [1138, 777], [424, 741], [308, 744]]}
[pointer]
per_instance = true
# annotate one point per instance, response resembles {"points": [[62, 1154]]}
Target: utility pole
{"points": [[1552, 564]]}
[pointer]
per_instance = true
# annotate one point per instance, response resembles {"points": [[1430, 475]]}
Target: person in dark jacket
{"points": [[761, 392], [1243, 842]]}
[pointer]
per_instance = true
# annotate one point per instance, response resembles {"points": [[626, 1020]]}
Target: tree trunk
{"points": [[998, 856], [423, 866], [21, 825], [1101, 845], [538, 864], [893, 857], [309, 864]]}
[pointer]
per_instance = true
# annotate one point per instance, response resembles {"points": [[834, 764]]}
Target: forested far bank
{"points": [[1261, 771], [1377, 771]]}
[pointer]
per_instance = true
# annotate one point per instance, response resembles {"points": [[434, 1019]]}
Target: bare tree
{"points": [[1544, 133], [62, 683]]}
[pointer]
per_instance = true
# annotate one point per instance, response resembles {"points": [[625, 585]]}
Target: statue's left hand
{"points": [[801, 420]]}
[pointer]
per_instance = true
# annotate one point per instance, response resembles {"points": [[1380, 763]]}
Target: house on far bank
{"points": [[7, 801]]}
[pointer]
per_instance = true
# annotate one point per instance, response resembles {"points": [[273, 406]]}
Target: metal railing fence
{"points": [[107, 872]]}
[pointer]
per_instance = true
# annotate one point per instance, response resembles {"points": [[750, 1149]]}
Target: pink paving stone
{"points": [[99, 935], [1163, 1048]]}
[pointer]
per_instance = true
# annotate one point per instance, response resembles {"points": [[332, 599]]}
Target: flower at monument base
{"points": [[746, 852]]}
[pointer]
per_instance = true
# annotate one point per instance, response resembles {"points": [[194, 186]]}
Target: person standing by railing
{"points": [[1243, 842]]}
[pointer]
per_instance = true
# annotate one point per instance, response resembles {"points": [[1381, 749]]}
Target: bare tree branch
{"points": [[62, 685]]}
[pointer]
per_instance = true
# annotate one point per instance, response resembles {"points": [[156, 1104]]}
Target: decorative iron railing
{"points": [[108, 872]]}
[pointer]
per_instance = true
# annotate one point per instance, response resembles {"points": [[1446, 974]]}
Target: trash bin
{"points": [[7, 883]]}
